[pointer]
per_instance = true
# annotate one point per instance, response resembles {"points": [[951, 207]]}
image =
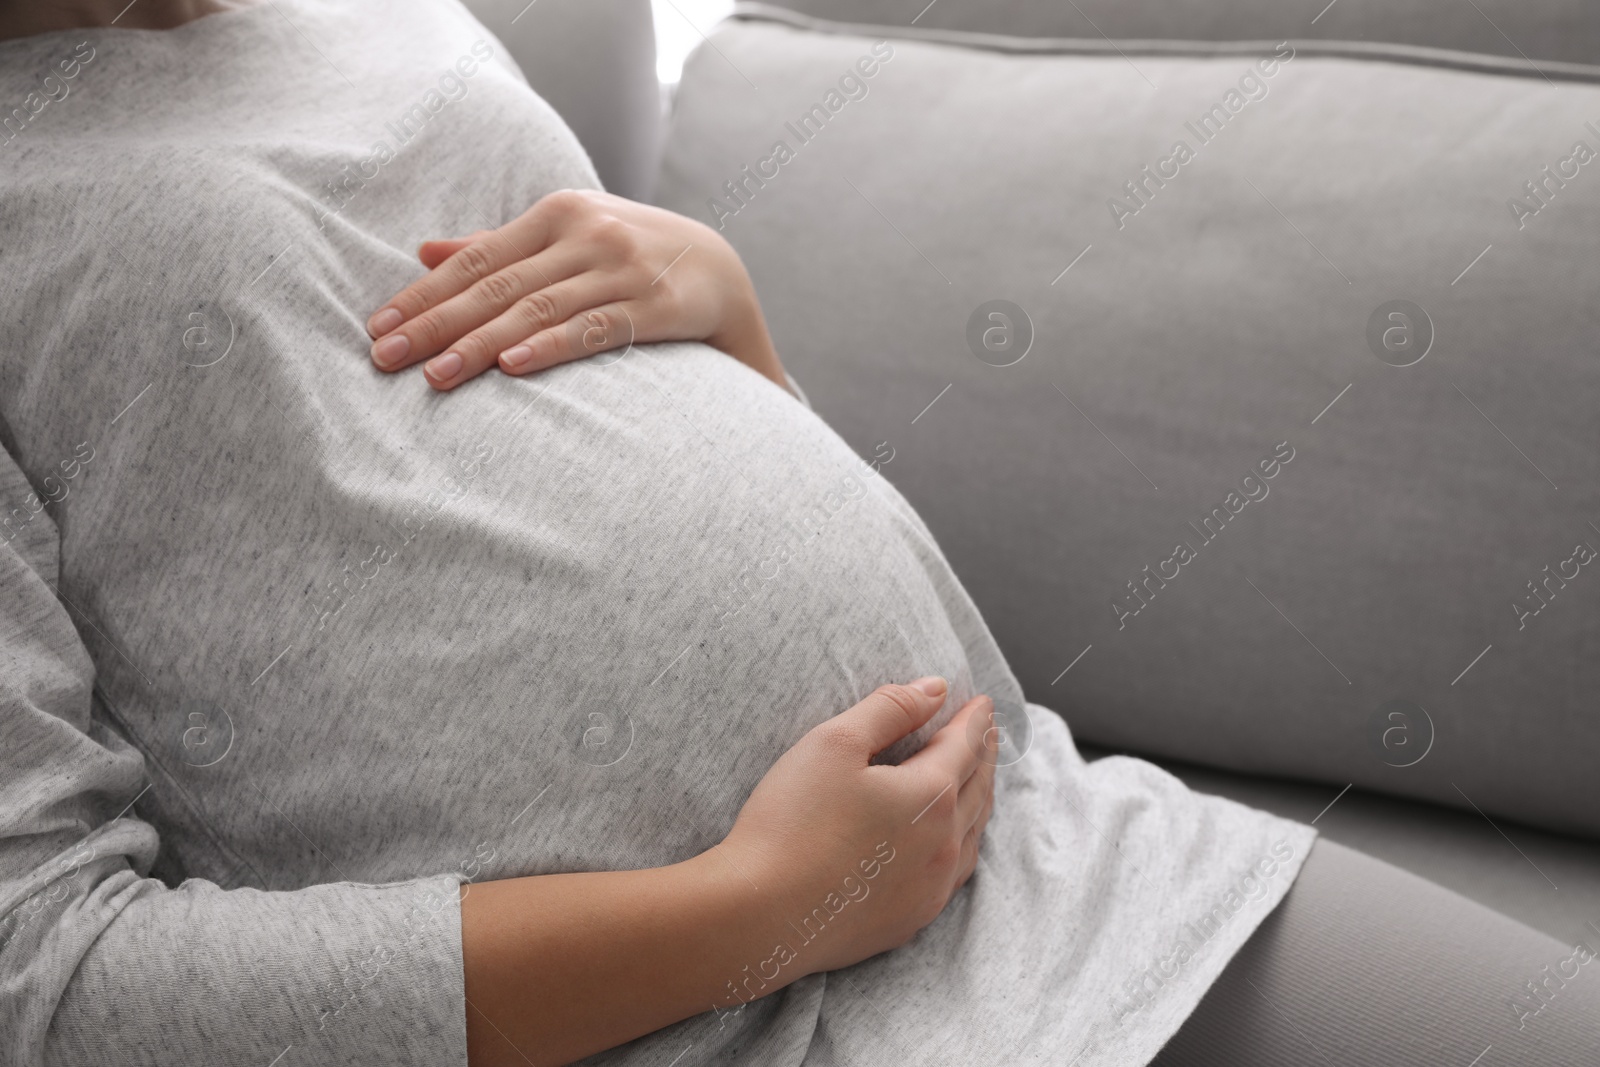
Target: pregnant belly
{"points": [[588, 617]]}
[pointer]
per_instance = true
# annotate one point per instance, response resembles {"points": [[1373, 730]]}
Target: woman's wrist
{"points": [[760, 356], [743, 333], [750, 903]]}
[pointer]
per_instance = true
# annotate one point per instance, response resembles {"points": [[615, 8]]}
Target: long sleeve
{"points": [[100, 963]]}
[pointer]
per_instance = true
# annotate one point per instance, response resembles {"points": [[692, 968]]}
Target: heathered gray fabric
{"points": [[339, 643]]}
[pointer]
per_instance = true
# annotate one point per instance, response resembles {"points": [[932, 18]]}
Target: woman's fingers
{"points": [[596, 330], [549, 308], [973, 840], [433, 253], [468, 265], [976, 791], [949, 753], [478, 286], [969, 855], [439, 328], [889, 713], [478, 257]]}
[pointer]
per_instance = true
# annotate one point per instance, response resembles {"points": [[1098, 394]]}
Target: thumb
{"points": [[891, 712], [433, 253]]}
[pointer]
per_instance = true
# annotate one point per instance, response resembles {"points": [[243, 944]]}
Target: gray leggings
{"points": [[1365, 965]]}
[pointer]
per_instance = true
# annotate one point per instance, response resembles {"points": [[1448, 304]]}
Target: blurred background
{"points": [[680, 25]]}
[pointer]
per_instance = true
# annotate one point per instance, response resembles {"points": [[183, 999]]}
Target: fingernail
{"points": [[932, 685], [383, 322], [516, 357], [391, 350], [443, 368]]}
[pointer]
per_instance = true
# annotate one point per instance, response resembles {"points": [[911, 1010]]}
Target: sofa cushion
{"points": [[1534, 33], [1281, 453], [1546, 881]]}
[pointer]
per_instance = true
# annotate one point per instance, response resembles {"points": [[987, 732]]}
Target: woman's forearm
{"points": [[562, 966], [832, 860]]}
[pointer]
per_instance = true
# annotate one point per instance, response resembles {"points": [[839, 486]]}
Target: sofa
{"points": [[1239, 356]]}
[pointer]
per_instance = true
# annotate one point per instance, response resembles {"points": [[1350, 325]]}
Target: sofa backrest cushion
{"points": [[1253, 396], [1531, 31]]}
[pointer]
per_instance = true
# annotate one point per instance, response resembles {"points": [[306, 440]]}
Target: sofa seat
{"points": [[1547, 881]]}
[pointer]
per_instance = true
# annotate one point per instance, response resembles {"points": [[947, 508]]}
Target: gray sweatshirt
{"points": [[290, 649]]}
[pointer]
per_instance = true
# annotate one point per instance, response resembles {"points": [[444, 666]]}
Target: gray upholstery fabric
{"points": [[1527, 30], [1364, 965], [594, 62], [1547, 881], [1373, 603]]}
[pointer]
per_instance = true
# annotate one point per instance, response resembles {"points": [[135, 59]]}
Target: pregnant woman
{"points": [[597, 701]]}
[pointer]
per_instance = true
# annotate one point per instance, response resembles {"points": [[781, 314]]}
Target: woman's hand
{"points": [[580, 272], [834, 857], [891, 844]]}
